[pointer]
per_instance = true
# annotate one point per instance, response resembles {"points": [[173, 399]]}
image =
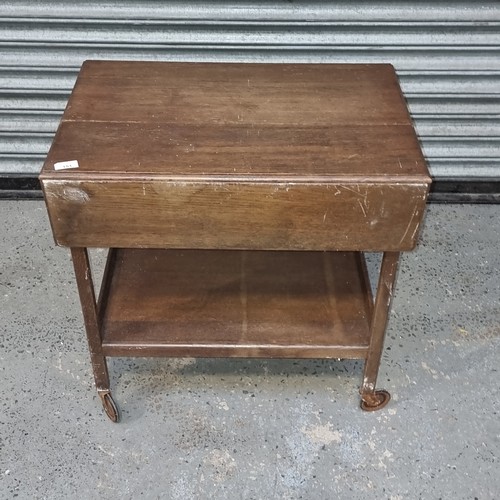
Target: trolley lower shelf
{"points": [[225, 303]]}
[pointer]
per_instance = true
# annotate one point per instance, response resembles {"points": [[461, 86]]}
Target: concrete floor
{"points": [[255, 429]]}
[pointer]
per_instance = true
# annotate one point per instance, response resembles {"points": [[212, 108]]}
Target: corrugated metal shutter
{"points": [[447, 55]]}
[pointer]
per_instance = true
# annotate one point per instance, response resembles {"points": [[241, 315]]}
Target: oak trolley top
{"points": [[284, 149]]}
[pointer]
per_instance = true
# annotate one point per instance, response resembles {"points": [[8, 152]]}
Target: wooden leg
{"points": [[85, 285], [372, 399]]}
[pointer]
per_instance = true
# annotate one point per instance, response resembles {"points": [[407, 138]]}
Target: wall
{"points": [[447, 55]]}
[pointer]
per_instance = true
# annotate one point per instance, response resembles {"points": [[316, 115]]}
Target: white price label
{"points": [[63, 165]]}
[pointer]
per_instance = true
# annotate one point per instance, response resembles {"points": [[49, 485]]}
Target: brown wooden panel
{"points": [[302, 94], [233, 151], [239, 215], [237, 156], [218, 303]]}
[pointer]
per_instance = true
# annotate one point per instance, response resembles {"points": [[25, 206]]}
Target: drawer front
{"points": [[236, 215]]}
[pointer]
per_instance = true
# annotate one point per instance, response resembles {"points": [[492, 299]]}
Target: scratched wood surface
{"points": [[265, 156], [159, 213], [229, 303]]}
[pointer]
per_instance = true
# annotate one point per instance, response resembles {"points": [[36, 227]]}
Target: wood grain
{"points": [[295, 94], [263, 156], [238, 215], [239, 119], [230, 303], [231, 152]]}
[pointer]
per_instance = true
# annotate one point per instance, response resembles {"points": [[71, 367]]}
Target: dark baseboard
{"points": [[19, 187], [455, 190], [452, 190]]}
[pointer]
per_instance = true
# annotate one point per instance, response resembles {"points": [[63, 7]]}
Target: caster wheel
{"points": [[110, 407], [375, 401]]}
